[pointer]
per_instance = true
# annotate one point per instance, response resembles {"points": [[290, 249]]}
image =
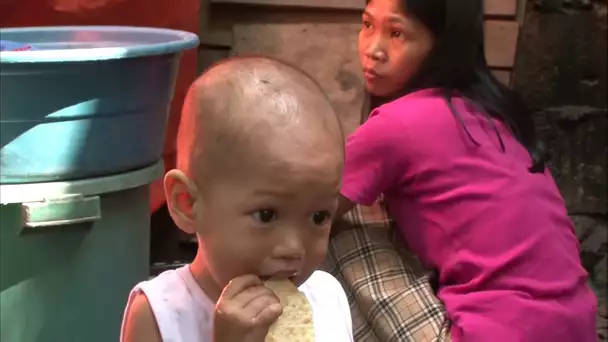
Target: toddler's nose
{"points": [[290, 254], [291, 248]]}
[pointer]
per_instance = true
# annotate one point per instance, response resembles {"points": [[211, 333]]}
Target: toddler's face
{"points": [[273, 218]]}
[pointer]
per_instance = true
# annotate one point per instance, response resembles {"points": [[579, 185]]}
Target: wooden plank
{"points": [[321, 4], [503, 76], [501, 42], [492, 7], [521, 11], [500, 35], [204, 13], [500, 7], [211, 35], [216, 38], [207, 57]]}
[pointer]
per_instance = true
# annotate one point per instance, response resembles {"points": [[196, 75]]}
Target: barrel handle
{"points": [[66, 210]]}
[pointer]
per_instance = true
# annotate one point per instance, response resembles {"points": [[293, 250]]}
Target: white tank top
{"points": [[184, 313]]}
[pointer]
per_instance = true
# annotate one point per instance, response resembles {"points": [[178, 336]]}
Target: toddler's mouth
{"points": [[289, 275]]}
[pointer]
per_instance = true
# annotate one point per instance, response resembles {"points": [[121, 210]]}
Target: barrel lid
{"points": [[93, 43], [39, 192]]}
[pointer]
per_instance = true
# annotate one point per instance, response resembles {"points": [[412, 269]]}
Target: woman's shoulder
{"points": [[426, 110], [417, 101]]}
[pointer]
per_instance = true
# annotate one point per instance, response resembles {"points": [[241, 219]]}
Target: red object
{"points": [[23, 48], [173, 14]]}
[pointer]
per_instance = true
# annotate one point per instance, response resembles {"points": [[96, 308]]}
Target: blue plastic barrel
{"points": [[86, 101]]}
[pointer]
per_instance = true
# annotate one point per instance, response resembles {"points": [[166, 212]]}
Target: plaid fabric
{"points": [[389, 292]]}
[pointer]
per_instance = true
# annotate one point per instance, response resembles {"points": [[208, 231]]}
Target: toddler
{"points": [[260, 158]]}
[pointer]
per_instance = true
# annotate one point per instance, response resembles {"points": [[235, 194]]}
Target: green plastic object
{"points": [[69, 254]]}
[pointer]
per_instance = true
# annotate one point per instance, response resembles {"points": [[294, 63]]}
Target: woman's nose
{"points": [[375, 51]]}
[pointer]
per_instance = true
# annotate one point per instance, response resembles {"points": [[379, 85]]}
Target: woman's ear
{"points": [[181, 195]]}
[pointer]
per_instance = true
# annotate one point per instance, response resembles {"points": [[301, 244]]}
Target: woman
{"points": [[455, 155]]}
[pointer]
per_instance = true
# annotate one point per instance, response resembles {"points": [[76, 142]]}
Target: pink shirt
{"points": [[500, 236]]}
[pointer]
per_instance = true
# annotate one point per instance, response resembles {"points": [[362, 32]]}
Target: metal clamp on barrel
{"points": [[67, 210], [67, 203]]}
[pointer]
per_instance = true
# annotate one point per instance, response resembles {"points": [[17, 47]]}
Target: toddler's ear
{"points": [[181, 196]]}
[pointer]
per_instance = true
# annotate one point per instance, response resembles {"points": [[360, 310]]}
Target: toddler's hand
{"points": [[245, 311]]}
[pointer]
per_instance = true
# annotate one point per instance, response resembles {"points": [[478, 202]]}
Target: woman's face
{"points": [[392, 46]]}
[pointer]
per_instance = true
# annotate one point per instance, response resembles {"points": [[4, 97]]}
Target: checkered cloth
{"points": [[389, 292]]}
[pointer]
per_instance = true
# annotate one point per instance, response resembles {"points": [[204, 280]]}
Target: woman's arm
{"points": [[344, 205], [374, 160]]}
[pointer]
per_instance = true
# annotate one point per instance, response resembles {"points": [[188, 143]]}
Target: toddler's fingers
{"points": [[269, 314], [259, 312], [244, 298], [264, 309], [238, 285]]}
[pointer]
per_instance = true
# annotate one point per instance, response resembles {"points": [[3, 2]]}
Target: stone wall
{"points": [[561, 71]]}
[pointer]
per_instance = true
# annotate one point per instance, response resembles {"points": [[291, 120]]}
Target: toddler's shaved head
{"points": [[248, 109], [260, 158]]}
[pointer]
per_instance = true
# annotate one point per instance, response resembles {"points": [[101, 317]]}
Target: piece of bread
{"points": [[295, 324]]}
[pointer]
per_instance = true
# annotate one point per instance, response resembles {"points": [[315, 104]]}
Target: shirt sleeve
{"points": [[331, 299], [346, 314], [374, 158]]}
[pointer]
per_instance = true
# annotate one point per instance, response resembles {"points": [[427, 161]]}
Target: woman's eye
{"points": [[366, 24], [321, 217], [265, 215], [397, 34]]}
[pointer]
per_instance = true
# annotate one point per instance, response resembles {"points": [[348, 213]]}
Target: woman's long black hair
{"points": [[457, 64]]}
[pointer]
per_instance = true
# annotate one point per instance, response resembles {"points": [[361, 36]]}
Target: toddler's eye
{"points": [[265, 215], [321, 217]]}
